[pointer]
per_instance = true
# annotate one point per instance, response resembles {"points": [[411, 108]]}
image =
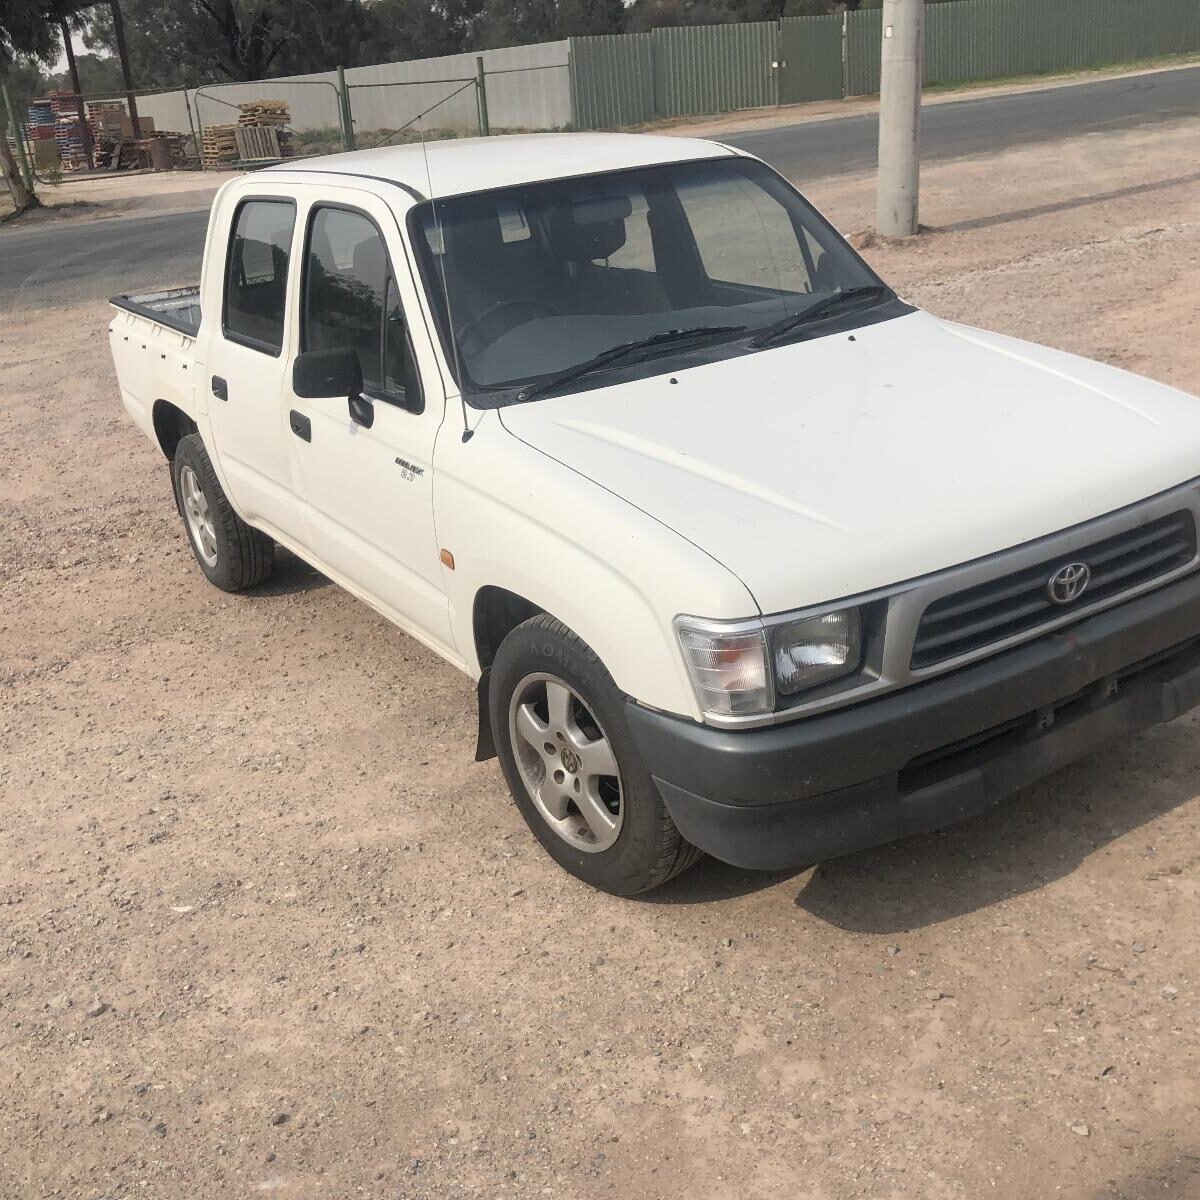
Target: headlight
{"points": [[815, 650], [739, 670], [729, 670]]}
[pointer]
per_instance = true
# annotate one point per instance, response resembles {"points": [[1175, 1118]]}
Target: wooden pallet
{"points": [[256, 143], [218, 145], [264, 112]]}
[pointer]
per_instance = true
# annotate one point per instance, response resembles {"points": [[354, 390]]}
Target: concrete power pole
{"points": [[900, 116]]}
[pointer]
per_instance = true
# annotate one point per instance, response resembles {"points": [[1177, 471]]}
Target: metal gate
{"points": [[713, 68], [810, 59]]}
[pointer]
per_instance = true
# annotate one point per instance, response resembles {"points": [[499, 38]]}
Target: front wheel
{"points": [[231, 554], [571, 764]]}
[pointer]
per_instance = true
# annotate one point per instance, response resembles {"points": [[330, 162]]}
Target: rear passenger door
{"points": [[247, 359], [367, 487]]}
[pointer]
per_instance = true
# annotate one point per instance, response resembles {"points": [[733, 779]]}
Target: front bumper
{"points": [[795, 794]]}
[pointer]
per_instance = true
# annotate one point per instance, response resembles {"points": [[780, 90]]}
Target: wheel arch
{"points": [[171, 426], [495, 613]]}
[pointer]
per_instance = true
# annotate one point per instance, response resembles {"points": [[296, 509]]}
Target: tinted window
{"points": [[350, 298], [256, 281]]}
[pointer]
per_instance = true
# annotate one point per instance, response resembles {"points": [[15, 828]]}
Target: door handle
{"points": [[220, 388], [301, 425]]}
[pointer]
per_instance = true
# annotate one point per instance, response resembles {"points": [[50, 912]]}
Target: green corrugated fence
{"points": [[713, 68], [991, 39], [612, 79], [626, 79]]}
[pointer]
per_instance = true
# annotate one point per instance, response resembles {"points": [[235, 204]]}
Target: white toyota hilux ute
{"points": [[747, 554]]}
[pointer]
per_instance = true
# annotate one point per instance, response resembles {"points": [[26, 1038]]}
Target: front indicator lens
{"points": [[816, 649], [728, 670]]}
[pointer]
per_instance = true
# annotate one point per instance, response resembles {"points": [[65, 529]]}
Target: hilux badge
{"points": [[1068, 583], [411, 470]]}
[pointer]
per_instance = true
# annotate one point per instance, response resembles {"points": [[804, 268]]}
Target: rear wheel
{"points": [[571, 764], [231, 554]]}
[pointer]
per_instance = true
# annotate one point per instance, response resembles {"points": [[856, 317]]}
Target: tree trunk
{"points": [[126, 74], [85, 132], [22, 191], [23, 198]]}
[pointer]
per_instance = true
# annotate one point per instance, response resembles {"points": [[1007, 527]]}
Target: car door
{"points": [[248, 356], [366, 479]]}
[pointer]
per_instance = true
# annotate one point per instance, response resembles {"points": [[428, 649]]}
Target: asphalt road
{"points": [[983, 124], [131, 253], [84, 259]]}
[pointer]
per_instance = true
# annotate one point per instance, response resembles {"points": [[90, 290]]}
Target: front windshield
{"points": [[531, 281]]}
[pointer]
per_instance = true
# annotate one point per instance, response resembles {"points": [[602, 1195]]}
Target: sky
{"points": [[60, 63]]}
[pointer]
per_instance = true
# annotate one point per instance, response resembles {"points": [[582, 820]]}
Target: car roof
{"points": [[453, 166]]}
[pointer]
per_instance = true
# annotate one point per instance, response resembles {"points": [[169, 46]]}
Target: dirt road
{"points": [[266, 929]]}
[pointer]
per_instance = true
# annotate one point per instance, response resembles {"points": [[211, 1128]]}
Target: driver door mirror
{"points": [[320, 373]]}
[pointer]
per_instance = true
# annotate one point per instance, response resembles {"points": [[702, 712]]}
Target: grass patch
{"points": [[1141, 64], [45, 211]]}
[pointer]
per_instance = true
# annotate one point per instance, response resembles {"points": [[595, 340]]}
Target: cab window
{"points": [[256, 273], [351, 301]]}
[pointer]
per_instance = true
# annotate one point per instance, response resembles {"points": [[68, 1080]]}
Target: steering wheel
{"points": [[475, 330]]}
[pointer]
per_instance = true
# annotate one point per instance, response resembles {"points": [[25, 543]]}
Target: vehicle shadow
{"points": [[1023, 843], [1178, 1178], [291, 576]]}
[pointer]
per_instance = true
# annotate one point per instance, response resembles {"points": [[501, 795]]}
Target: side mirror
{"points": [[320, 373]]}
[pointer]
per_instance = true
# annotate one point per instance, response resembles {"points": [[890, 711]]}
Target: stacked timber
{"points": [[218, 146], [68, 129], [262, 131], [264, 112], [168, 151], [260, 135], [115, 153], [39, 133]]}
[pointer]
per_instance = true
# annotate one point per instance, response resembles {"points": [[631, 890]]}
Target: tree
{"points": [[660, 14], [655, 14], [29, 29], [407, 29], [579, 18], [27, 80], [97, 77], [506, 24], [22, 194], [174, 43]]}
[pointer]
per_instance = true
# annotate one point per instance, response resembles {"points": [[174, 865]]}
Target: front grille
{"points": [[977, 617], [947, 761]]}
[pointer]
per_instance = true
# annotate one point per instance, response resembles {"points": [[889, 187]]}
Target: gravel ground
{"points": [[265, 927]]}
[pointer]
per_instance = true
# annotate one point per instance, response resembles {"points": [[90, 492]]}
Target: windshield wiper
{"points": [[667, 337], [822, 308]]}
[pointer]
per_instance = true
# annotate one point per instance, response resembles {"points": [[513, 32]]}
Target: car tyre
{"points": [[558, 721], [232, 554]]}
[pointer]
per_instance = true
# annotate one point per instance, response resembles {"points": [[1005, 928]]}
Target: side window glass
{"points": [[346, 276], [256, 274]]}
